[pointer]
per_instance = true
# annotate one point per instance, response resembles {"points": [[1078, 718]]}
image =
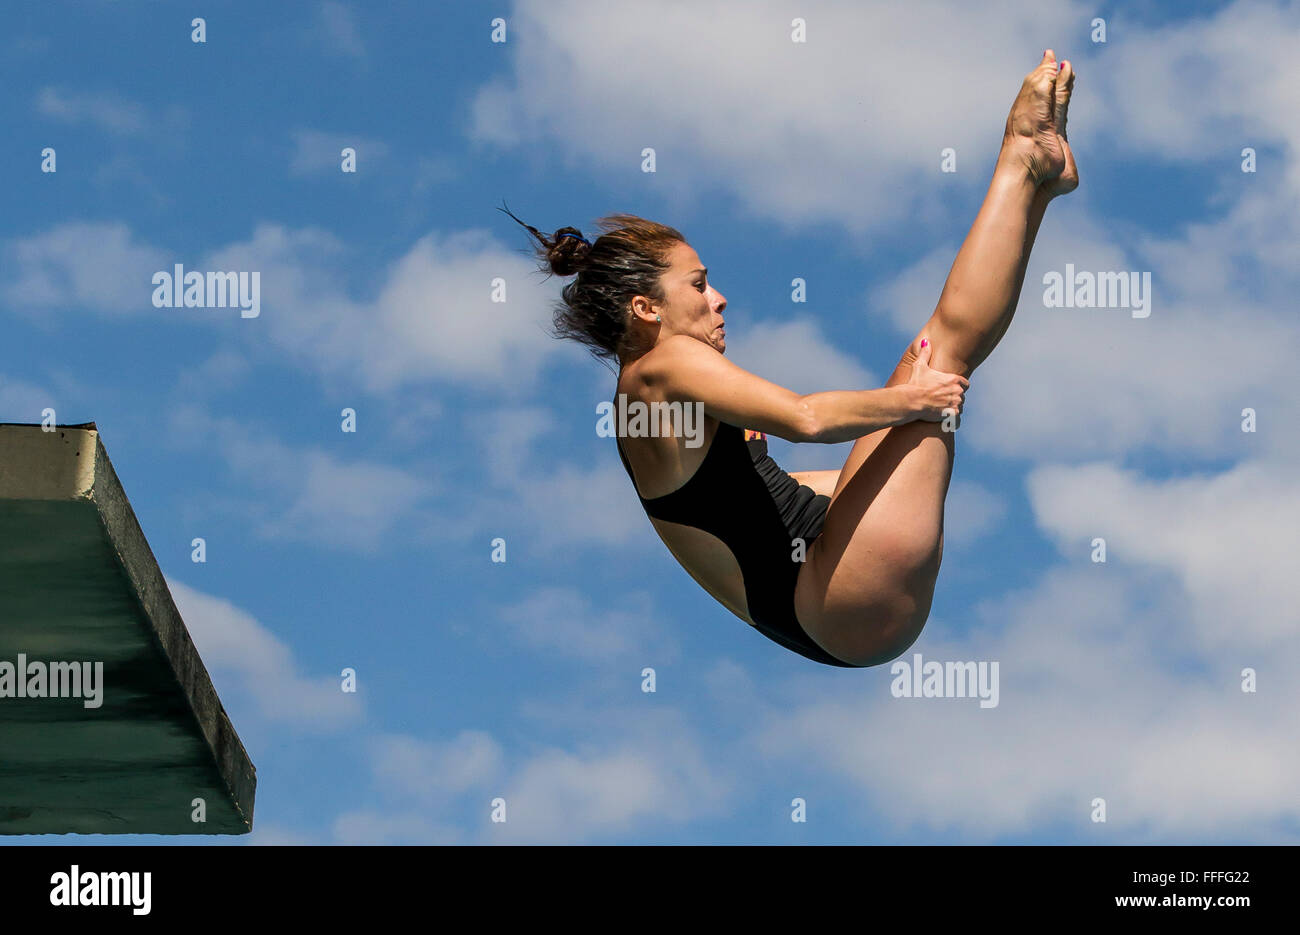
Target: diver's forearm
{"points": [[845, 415]]}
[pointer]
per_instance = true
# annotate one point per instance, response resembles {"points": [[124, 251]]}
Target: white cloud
{"points": [[796, 355], [421, 780], [223, 370], [114, 114], [270, 834], [21, 401], [109, 111], [307, 494], [416, 422], [317, 152], [1231, 539], [247, 661], [432, 318], [437, 317], [375, 827], [507, 435], [563, 621], [1209, 86], [565, 504], [336, 30], [96, 265], [970, 511], [563, 797], [431, 772], [571, 504], [432, 171], [633, 769], [802, 132], [832, 140]]}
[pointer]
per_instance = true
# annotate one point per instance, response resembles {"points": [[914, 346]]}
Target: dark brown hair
{"points": [[625, 261]]}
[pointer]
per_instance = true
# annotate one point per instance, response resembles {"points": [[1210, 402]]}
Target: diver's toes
{"points": [[1065, 79], [1064, 85], [1044, 68]]}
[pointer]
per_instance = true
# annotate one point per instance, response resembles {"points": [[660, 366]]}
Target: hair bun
{"points": [[567, 251]]}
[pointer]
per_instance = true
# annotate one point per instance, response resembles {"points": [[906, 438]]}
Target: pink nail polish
{"points": [[924, 342]]}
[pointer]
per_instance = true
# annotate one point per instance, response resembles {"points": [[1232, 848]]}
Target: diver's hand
{"points": [[933, 391]]}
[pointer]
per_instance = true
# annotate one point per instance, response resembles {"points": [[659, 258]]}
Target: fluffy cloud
{"points": [[90, 264], [306, 493], [802, 132], [21, 401], [563, 621], [1199, 89], [561, 505], [645, 769], [335, 30], [317, 152], [109, 111], [1231, 540], [247, 661], [797, 355], [970, 511]]}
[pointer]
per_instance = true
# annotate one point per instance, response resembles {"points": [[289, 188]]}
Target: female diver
{"points": [[839, 566]]}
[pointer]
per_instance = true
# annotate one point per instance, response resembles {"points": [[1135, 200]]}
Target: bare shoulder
{"points": [[672, 354]]}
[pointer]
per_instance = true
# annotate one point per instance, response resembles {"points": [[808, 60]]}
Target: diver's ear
{"points": [[642, 309]]}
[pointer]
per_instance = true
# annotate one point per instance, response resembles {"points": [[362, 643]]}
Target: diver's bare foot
{"points": [[1068, 180], [1031, 139]]}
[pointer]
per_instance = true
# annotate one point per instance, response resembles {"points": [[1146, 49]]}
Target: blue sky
{"points": [[819, 160]]}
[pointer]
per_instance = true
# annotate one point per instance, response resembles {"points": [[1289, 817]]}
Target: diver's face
{"points": [[692, 306]]}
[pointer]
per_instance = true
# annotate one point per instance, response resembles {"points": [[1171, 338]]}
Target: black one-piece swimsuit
{"points": [[740, 495]]}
